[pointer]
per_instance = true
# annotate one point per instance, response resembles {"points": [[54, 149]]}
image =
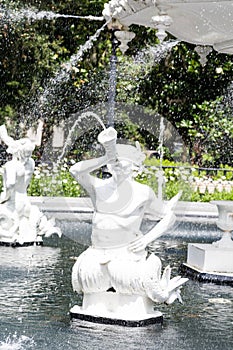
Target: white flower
{"points": [[219, 70], [36, 172]]}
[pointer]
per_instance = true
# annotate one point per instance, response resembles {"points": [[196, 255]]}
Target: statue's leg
{"points": [[9, 223], [89, 275], [126, 271], [141, 276]]}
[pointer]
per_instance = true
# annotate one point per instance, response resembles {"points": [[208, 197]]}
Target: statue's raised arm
{"points": [[4, 137], [82, 170]]}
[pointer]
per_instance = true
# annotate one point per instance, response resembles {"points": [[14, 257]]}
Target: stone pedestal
{"points": [[210, 258], [119, 309], [209, 263]]}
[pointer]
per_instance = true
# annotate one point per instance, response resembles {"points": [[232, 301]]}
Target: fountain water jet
{"points": [[43, 101], [32, 14], [72, 130], [161, 154]]}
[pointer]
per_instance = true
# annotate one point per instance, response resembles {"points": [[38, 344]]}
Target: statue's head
{"points": [[130, 154], [22, 148], [129, 160]]}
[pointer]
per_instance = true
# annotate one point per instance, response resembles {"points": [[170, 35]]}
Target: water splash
{"points": [[63, 74], [13, 342], [69, 140], [153, 54], [32, 14], [112, 82], [142, 63], [137, 67]]}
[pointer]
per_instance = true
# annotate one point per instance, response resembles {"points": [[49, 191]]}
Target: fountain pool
{"points": [[36, 296]]}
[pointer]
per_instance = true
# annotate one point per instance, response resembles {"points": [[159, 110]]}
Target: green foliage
{"points": [[49, 181], [174, 85], [175, 177], [191, 97], [53, 182], [34, 50], [210, 132], [181, 177], [207, 197]]}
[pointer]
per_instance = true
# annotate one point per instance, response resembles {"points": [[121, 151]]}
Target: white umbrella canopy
{"points": [[200, 22]]}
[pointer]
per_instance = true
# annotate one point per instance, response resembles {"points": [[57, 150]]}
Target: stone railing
{"points": [[212, 179], [203, 185], [202, 180]]}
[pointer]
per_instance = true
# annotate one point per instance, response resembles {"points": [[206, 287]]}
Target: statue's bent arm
{"points": [[158, 230], [82, 170]]}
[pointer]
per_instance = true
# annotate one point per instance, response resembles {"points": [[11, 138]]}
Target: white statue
{"points": [[20, 222], [116, 274]]}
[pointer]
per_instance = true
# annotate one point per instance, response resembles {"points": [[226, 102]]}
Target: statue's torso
{"points": [[17, 176], [119, 212]]}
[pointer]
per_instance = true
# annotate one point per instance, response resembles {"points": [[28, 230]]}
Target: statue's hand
{"points": [[3, 132], [139, 244], [4, 137], [107, 135], [108, 139]]}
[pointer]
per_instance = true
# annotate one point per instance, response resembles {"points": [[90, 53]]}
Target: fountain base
{"points": [[117, 309], [16, 244], [24, 244], [209, 263], [35, 241]]}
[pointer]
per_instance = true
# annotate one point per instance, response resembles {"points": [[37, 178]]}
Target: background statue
{"points": [[117, 261], [20, 222]]}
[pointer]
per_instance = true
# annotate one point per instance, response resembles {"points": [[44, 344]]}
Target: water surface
{"points": [[36, 295]]}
